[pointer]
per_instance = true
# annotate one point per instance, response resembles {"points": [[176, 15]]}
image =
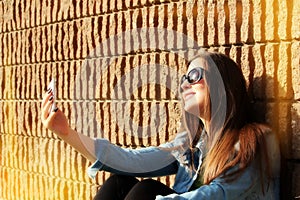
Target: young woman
{"points": [[222, 154]]}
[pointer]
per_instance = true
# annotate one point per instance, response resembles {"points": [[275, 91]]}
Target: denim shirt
{"points": [[161, 161]]}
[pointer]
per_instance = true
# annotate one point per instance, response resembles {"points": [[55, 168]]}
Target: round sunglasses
{"points": [[194, 76]]}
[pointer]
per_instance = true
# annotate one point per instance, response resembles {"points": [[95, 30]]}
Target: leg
{"points": [[147, 190], [116, 187]]}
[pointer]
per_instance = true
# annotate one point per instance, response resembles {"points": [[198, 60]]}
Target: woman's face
{"points": [[194, 95]]}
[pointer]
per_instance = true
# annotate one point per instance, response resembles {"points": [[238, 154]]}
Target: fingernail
{"points": [[55, 110], [50, 99]]}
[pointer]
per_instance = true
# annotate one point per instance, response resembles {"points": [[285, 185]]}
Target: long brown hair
{"points": [[231, 123]]}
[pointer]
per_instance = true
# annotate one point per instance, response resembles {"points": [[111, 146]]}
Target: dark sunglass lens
{"points": [[194, 75]]}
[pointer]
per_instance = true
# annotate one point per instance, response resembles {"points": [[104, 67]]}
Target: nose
{"points": [[185, 85]]}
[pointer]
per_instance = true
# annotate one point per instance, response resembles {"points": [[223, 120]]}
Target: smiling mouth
{"points": [[188, 96]]}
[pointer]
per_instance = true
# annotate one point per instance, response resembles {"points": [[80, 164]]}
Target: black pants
{"points": [[119, 187]]}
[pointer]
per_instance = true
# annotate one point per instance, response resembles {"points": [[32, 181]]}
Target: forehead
{"points": [[198, 62]]}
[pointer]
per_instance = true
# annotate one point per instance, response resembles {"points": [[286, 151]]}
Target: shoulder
{"points": [[274, 154], [181, 139], [272, 147], [269, 145]]}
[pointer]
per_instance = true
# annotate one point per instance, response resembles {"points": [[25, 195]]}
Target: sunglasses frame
{"points": [[187, 76]]}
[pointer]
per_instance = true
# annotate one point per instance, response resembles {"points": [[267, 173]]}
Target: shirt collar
{"points": [[203, 136]]}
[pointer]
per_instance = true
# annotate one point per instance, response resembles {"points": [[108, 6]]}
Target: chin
{"points": [[192, 109]]}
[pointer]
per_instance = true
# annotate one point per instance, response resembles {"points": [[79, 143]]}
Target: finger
{"points": [[49, 120], [44, 103], [46, 97], [46, 109]]}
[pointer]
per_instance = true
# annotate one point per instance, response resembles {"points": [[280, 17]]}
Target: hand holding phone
{"points": [[52, 87], [53, 118]]}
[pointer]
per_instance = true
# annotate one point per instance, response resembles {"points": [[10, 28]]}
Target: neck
{"points": [[205, 123]]}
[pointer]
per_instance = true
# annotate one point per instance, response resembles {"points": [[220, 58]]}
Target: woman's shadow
{"points": [[284, 120]]}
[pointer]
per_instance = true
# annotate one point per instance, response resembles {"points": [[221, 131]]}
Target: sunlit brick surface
{"points": [[44, 39]]}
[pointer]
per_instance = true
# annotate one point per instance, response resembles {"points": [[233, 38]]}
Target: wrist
{"points": [[64, 132]]}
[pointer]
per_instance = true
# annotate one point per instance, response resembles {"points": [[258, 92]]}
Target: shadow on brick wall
{"points": [[280, 115]]}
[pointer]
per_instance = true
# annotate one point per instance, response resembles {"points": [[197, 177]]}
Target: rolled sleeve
{"points": [[139, 162]]}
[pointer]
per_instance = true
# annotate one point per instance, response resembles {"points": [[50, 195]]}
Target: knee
{"points": [[146, 183], [122, 179], [148, 189], [145, 186], [116, 187]]}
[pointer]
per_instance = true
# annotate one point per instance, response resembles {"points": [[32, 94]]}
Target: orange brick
{"points": [[284, 20], [72, 42], [2, 79], [246, 62], [46, 39], [271, 59], [259, 77], [78, 40], [38, 46], [85, 25], [1, 49], [270, 20], [295, 60], [43, 44], [2, 14], [295, 20], [296, 131], [65, 42], [235, 20], [284, 72], [59, 45], [247, 21], [43, 12], [33, 44], [14, 44], [5, 48], [212, 34]]}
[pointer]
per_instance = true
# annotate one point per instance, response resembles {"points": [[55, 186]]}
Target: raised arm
{"points": [[57, 122]]}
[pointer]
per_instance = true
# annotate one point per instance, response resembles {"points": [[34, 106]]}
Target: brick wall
{"points": [[74, 41]]}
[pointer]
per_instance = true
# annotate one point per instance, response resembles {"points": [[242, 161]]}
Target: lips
{"points": [[188, 95]]}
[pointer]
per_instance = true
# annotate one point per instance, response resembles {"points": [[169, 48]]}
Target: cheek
{"points": [[196, 105], [201, 95], [200, 90], [200, 98]]}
